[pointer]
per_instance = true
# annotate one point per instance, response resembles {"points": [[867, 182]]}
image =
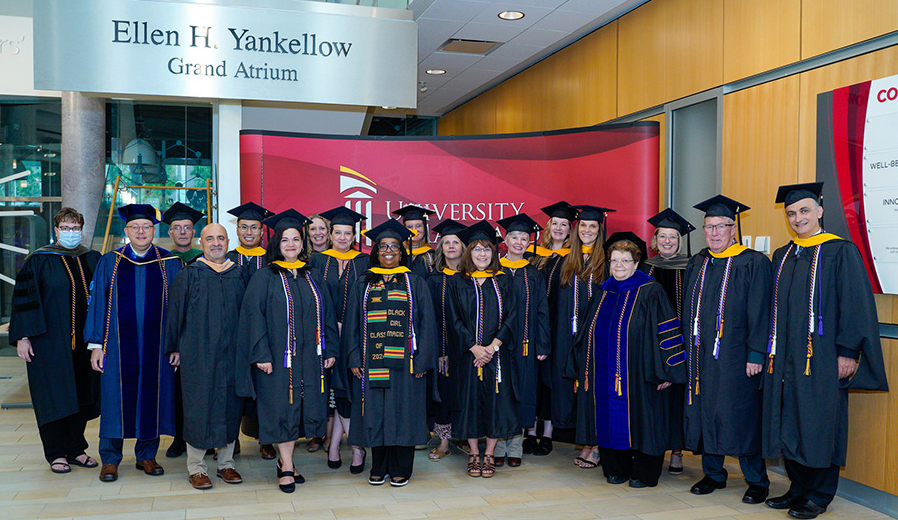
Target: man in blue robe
{"points": [[124, 327]]}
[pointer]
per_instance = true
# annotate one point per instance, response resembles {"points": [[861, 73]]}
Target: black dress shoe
{"points": [[636, 483], [706, 486], [544, 447], [334, 464], [785, 501], [177, 448], [529, 444], [287, 488], [616, 479], [355, 470], [806, 510], [755, 494]]}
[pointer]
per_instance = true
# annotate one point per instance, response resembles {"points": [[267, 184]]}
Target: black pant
{"points": [[817, 484], [395, 461], [64, 437], [179, 409], [632, 464]]}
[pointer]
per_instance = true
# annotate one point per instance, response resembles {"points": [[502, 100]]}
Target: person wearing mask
{"points": [[49, 306]]}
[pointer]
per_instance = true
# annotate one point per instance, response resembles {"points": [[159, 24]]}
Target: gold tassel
{"points": [[291, 394], [696, 386], [770, 367], [322, 383], [526, 347], [411, 364], [807, 367], [480, 373], [617, 387]]}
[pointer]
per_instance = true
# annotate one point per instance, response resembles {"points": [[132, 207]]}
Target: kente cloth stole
{"points": [[387, 316]]}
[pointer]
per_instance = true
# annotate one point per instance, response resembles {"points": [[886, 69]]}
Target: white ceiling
{"points": [[547, 26]]}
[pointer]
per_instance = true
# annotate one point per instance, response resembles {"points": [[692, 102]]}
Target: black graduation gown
{"points": [[641, 417], [394, 416], [486, 408], [561, 312], [422, 265], [447, 340], [723, 405], [806, 416], [250, 263], [42, 312], [533, 315], [263, 335], [670, 274], [203, 314], [338, 285]]}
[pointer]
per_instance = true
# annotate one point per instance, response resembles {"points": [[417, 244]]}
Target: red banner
{"points": [[464, 178]]}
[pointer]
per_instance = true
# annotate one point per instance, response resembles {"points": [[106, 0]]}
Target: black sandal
{"points": [[65, 467], [88, 462]]}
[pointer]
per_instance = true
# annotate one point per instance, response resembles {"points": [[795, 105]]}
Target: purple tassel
{"points": [[286, 358], [819, 325]]}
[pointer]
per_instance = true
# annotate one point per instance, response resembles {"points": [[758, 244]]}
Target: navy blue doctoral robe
{"points": [[126, 314]]}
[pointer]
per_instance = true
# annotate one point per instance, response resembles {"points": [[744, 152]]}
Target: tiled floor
{"points": [[543, 488]]}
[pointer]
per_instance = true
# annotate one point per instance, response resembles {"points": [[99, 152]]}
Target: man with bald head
{"points": [[203, 307]]}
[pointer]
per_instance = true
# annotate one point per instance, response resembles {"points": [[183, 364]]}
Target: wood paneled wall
{"points": [[668, 49], [760, 152]]}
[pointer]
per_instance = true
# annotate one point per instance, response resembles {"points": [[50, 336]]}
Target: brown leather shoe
{"points": [[229, 475], [150, 467], [514, 461], [314, 444], [200, 481], [109, 473], [267, 451]]}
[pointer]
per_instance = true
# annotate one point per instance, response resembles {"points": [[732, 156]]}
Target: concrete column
{"points": [[84, 157], [227, 121]]}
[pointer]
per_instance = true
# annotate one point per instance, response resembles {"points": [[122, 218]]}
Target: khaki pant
{"points": [[196, 462]]}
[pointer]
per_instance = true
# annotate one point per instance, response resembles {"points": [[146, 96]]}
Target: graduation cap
{"points": [[343, 216], [448, 227], [139, 211], [561, 209], [520, 222], [720, 206], [792, 193], [250, 211], [389, 229], [673, 220], [587, 212], [179, 211], [481, 230], [413, 212], [627, 236], [287, 219]]}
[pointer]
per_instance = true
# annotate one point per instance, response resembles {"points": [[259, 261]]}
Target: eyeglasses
{"points": [[135, 228], [178, 229], [621, 261], [716, 227], [70, 228], [244, 228], [388, 247], [481, 249]]}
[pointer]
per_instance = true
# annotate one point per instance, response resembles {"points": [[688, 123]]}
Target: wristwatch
{"points": [[495, 348]]}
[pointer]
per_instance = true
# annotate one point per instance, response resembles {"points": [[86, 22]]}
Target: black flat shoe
{"points": [[616, 479], [355, 470], [334, 464], [755, 494], [806, 510], [706, 486], [376, 481], [530, 443], [784, 501], [398, 481], [673, 470], [177, 448], [287, 488], [636, 483], [544, 447]]}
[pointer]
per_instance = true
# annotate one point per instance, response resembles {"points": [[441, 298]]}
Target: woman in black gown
{"points": [[389, 338], [290, 338], [668, 266], [483, 306]]}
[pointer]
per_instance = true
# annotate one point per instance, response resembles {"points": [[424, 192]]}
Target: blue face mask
{"points": [[69, 239]]}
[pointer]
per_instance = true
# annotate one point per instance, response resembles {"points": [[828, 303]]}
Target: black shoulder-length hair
{"points": [[466, 265], [273, 251], [375, 260]]}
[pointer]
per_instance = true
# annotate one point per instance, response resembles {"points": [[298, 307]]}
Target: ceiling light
{"points": [[436, 72], [385, 107], [422, 87], [511, 15]]}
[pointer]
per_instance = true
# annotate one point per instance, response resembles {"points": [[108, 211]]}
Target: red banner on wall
{"points": [[464, 178]]}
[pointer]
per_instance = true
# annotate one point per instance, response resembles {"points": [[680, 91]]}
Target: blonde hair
{"points": [[545, 240], [574, 266], [655, 241]]}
